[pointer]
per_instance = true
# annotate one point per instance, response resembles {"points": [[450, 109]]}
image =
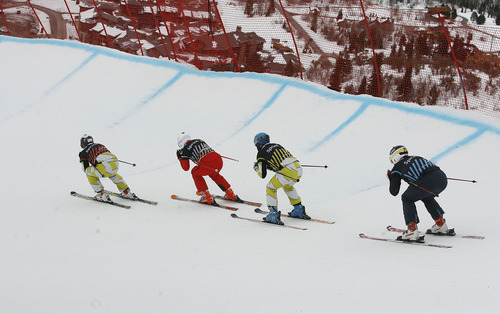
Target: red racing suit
{"points": [[208, 163]]}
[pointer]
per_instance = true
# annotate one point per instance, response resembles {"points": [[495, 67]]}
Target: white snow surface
{"points": [[61, 254]]}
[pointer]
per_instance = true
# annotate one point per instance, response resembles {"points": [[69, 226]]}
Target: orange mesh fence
{"points": [[351, 46]]}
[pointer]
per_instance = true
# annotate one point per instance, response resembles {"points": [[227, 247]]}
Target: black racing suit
{"points": [[271, 155], [89, 154], [426, 181]]}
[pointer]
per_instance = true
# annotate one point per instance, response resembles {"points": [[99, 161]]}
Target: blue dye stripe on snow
{"points": [[161, 89], [424, 111], [67, 77], [268, 104], [480, 126], [353, 117], [460, 143], [153, 96]]}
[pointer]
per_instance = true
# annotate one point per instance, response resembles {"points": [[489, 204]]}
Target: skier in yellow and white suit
{"points": [[98, 162], [288, 171]]}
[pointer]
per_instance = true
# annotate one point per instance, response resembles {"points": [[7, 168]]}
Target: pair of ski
{"points": [[90, 198], [215, 204], [451, 232], [392, 229], [257, 210], [264, 212]]}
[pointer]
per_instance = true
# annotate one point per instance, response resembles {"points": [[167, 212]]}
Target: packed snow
{"points": [[62, 254]]}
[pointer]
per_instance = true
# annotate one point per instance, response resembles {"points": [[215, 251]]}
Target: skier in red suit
{"points": [[208, 163]]}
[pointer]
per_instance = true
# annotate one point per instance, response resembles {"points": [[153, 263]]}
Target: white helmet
{"points": [[397, 152], [183, 139]]}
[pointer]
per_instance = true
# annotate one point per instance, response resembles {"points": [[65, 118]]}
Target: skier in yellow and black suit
{"points": [[288, 171], [98, 162]]}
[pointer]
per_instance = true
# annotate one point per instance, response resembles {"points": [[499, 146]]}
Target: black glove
{"points": [[179, 154], [389, 174]]}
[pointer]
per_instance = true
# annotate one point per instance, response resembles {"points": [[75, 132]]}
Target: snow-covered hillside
{"points": [[61, 254]]}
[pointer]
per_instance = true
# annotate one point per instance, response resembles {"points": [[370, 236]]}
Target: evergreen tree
{"points": [[454, 13], [340, 15], [362, 86], [459, 48], [473, 16], [421, 47], [336, 75], [393, 51], [373, 86], [405, 88], [289, 68], [409, 48], [254, 63], [481, 19], [497, 20], [469, 37], [433, 95], [482, 8], [343, 67], [402, 42], [271, 9], [314, 21], [378, 43], [249, 8], [355, 42], [442, 48]]}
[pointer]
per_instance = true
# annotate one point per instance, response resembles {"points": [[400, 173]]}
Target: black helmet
{"points": [[86, 140]]}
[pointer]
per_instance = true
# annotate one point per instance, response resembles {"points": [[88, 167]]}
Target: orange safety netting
{"points": [[351, 46]]}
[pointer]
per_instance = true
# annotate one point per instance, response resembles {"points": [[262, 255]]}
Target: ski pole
{"points": [[216, 170], [200, 165], [315, 166], [418, 186], [230, 158], [293, 179], [128, 163], [472, 181]]}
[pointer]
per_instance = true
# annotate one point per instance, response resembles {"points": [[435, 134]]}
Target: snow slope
{"points": [[66, 255]]}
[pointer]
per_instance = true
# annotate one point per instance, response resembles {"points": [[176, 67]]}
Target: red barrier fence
{"points": [[351, 46]]}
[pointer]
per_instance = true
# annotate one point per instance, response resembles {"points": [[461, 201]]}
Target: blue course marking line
{"points": [[67, 77], [353, 117], [460, 143], [274, 79], [268, 104], [153, 96], [162, 88], [424, 111]]}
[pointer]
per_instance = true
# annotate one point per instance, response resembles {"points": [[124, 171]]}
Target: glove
{"points": [[179, 154], [389, 174], [257, 166], [85, 165]]}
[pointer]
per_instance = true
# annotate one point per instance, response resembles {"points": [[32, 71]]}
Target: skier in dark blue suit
{"points": [[426, 181]]}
